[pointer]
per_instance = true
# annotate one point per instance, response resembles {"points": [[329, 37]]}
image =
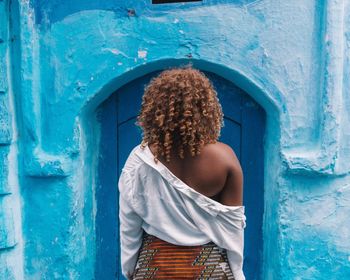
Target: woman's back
{"points": [[215, 173]]}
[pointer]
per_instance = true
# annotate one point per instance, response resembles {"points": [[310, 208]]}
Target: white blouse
{"points": [[153, 199]]}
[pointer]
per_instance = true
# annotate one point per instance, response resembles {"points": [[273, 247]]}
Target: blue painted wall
{"points": [[59, 60]]}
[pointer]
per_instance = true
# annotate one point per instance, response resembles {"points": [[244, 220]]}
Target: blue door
{"points": [[244, 122]]}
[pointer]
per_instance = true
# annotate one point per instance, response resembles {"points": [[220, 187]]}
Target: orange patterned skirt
{"points": [[161, 260]]}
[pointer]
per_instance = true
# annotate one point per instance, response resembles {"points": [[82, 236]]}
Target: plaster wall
{"points": [[59, 60]]}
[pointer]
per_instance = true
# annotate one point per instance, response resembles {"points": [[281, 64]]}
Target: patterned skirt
{"points": [[161, 260]]}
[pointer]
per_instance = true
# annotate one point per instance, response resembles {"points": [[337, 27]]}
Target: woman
{"points": [[181, 191]]}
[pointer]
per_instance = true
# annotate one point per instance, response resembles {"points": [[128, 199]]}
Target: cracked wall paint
{"points": [[65, 60]]}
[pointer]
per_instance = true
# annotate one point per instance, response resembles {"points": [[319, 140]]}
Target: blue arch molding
{"points": [[243, 131], [270, 230], [271, 149]]}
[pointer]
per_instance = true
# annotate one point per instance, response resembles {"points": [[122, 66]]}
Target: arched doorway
{"points": [[243, 131]]}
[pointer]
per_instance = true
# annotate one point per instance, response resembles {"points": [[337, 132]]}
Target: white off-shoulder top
{"points": [[153, 199]]}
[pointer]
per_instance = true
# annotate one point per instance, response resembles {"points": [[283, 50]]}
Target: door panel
{"points": [[252, 161], [244, 122], [106, 195]]}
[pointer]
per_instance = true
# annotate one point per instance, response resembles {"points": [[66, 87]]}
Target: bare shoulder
{"points": [[224, 156], [222, 152]]}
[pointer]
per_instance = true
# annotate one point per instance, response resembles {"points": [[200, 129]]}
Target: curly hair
{"points": [[180, 111]]}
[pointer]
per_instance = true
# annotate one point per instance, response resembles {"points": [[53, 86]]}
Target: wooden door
{"points": [[244, 122]]}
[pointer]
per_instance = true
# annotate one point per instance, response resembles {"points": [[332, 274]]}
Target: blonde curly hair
{"points": [[180, 111]]}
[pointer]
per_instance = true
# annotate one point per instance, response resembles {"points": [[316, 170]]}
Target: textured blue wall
{"points": [[60, 59]]}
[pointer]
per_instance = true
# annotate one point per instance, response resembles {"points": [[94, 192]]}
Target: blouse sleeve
{"points": [[130, 235]]}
